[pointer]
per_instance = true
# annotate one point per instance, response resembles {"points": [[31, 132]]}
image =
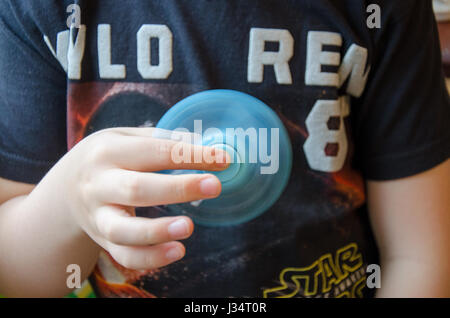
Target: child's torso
{"points": [[293, 55]]}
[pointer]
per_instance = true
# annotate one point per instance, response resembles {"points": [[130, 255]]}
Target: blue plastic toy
{"points": [[246, 128]]}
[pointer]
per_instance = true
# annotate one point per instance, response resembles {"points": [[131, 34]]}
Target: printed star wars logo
{"points": [[340, 276]]}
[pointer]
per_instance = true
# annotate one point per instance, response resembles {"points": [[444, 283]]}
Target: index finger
{"points": [[151, 154]]}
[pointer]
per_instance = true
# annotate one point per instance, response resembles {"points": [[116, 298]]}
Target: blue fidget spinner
{"points": [[255, 138]]}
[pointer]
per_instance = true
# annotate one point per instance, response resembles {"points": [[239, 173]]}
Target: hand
{"points": [[109, 173]]}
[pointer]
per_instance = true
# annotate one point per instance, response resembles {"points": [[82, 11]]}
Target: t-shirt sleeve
{"points": [[32, 98], [402, 121]]}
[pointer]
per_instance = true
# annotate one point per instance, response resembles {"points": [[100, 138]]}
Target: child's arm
{"points": [[86, 202], [411, 221]]}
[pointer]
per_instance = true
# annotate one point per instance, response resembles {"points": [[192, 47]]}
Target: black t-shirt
{"points": [[358, 103]]}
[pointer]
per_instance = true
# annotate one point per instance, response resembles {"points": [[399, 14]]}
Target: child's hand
{"points": [[109, 173]]}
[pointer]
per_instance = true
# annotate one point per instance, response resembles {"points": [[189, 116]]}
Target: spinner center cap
{"points": [[233, 169]]}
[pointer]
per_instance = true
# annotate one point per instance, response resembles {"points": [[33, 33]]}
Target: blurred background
{"points": [[442, 11]]}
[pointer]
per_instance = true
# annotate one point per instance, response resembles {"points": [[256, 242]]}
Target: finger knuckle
{"points": [[126, 260], [144, 235], [86, 190], [180, 186], [151, 262], [163, 150], [98, 152], [132, 188], [110, 231]]}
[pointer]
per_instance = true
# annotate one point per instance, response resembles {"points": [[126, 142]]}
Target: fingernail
{"points": [[178, 229], [209, 186], [174, 254]]}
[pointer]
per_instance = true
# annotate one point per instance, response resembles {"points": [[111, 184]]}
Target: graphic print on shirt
{"points": [[289, 234], [325, 148], [317, 215], [343, 275]]}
